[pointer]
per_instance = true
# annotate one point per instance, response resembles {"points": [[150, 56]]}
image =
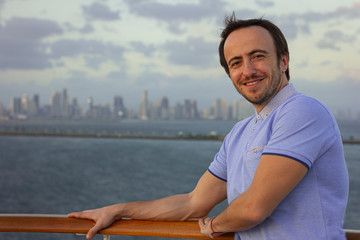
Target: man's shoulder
{"points": [[302, 104]]}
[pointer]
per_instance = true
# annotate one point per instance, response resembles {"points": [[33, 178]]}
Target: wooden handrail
{"points": [[63, 224], [46, 223]]}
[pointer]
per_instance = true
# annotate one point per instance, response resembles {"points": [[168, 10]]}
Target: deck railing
{"points": [[62, 224]]}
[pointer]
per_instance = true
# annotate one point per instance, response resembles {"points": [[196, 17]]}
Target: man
{"points": [[282, 170]]}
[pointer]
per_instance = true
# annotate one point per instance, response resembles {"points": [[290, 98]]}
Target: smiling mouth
{"points": [[251, 83]]}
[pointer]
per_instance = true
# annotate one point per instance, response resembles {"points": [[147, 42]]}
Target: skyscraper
{"points": [[15, 106], [75, 109], [164, 109], [119, 108], [65, 104], [24, 104], [242, 109], [190, 109], [55, 104], [221, 109], [144, 107], [36, 100]]}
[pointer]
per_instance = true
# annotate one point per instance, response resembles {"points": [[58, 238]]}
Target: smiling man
{"points": [[284, 167], [282, 170]]}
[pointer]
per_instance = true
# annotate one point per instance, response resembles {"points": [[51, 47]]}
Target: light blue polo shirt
{"points": [[302, 129]]}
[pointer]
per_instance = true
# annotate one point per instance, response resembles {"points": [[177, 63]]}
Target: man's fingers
{"points": [[203, 222], [84, 214], [74, 214], [92, 232]]}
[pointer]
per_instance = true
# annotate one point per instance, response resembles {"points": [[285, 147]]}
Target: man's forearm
{"points": [[173, 208], [275, 177], [238, 216]]}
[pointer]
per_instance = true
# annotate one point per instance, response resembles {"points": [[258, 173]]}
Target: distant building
{"points": [[190, 110], [32, 110], [242, 109], [36, 99], [179, 111], [24, 104], [15, 106], [119, 108], [2, 109], [55, 103], [164, 109], [75, 110], [65, 104], [144, 112]]}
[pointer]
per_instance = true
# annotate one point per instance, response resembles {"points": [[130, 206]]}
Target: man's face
{"points": [[253, 65]]}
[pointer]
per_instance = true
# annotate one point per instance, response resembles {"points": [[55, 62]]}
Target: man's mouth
{"points": [[251, 83]]}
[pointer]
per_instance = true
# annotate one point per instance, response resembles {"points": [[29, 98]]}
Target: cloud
{"points": [[293, 24], [338, 36], [194, 52], [327, 44], [349, 12], [23, 46], [331, 38], [87, 28], [147, 50], [99, 11], [176, 14], [1, 4], [265, 3], [94, 52], [21, 43], [117, 75], [338, 94], [30, 28]]}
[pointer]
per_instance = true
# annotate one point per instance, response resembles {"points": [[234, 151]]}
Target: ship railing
{"points": [[47, 223]]}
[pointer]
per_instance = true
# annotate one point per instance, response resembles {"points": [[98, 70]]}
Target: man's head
{"points": [[254, 53], [232, 24]]}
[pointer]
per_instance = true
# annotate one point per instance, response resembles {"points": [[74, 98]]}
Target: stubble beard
{"points": [[269, 92]]}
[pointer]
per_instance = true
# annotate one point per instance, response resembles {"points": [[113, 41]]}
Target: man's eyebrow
{"points": [[258, 51], [233, 59], [249, 54]]}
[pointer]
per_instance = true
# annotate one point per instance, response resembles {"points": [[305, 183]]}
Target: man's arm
{"points": [[274, 179], [197, 204]]}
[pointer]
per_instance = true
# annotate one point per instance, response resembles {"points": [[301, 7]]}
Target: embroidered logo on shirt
{"points": [[255, 149]]}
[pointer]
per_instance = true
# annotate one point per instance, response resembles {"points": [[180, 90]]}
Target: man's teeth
{"points": [[252, 83]]}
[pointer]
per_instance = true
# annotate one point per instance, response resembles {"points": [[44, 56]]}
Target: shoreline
{"points": [[116, 136], [120, 136]]}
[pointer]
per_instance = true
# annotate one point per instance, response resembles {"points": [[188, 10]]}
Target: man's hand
{"points": [[208, 192], [103, 218], [207, 229]]}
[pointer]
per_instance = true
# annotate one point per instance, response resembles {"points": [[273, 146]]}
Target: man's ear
{"points": [[284, 62]]}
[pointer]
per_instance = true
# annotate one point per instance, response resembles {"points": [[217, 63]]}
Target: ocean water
{"points": [[58, 175]]}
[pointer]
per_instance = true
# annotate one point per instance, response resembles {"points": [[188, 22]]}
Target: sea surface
{"points": [[58, 175]]}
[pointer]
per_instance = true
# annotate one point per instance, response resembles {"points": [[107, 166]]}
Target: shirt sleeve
{"points": [[218, 166], [303, 129]]}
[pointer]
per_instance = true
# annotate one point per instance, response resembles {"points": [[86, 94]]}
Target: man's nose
{"points": [[248, 68]]}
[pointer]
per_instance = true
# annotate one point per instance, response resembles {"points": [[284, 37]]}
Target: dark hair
{"points": [[232, 24]]}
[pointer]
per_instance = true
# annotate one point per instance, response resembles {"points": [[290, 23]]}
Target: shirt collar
{"points": [[281, 97]]}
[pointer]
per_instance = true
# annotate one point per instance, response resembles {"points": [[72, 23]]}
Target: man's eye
{"points": [[258, 57], [235, 64]]}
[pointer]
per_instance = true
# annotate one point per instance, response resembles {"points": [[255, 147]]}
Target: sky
{"points": [[107, 48]]}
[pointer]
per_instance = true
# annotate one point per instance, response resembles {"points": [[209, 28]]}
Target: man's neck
{"points": [[284, 83]]}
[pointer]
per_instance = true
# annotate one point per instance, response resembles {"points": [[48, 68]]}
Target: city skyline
{"points": [[62, 105], [67, 106], [105, 48]]}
